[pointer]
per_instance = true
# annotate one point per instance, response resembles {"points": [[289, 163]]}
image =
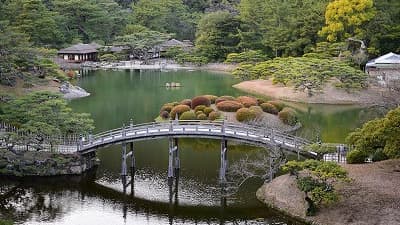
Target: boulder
{"points": [[283, 194]]}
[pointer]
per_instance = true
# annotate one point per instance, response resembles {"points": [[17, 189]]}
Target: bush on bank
{"points": [[229, 106], [288, 116], [269, 108], [200, 100], [179, 109]]}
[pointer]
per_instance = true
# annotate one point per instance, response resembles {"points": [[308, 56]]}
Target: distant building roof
{"points": [[390, 59], [80, 49], [175, 43]]}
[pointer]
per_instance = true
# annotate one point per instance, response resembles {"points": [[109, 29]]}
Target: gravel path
{"points": [[372, 198]]}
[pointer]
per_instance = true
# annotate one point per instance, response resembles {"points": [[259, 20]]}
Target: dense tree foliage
{"points": [[378, 136], [217, 35], [45, 114]]}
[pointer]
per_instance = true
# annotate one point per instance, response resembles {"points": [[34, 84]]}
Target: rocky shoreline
{"points": [[372, 197], [43, 163]]}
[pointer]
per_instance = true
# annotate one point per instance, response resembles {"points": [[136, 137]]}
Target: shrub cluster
{"points": [[187, 102], [257, 110], [247, 101], [288, 116], [179, 109], [200, 100], [269, 108], [199, 108], [202, 116], [212, 98], [214, 115], [224, 98], [378, 138], [188, 115], [245, 115], [278, 105], [229, 106]]}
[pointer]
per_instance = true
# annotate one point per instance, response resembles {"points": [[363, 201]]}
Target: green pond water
{"points": [[118, 96]]}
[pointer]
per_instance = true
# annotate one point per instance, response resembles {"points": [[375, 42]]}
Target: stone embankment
{"points": [[42, 163]]}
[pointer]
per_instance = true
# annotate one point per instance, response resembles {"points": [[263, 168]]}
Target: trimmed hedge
{"points": [[229, 106], [356, 156], [189, 115], [187, 102], [224, 98], [247, 101], [245, 115], [214, 115], [212, 98], [288, 116], [179, 109], [208, 110], [199, 108], [269, 108], [167, 107], [278, 105], [202, 116], [257, 111], [200, 100], [164, 114]]}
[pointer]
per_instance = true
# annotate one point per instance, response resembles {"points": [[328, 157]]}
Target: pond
{"points": [[118, 96]]}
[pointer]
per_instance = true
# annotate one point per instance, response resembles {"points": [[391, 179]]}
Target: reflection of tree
{"points": [[263, 165], [20, 203]]}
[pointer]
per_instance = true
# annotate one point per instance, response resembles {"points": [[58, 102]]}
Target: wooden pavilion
{"points": [[80, 53]]}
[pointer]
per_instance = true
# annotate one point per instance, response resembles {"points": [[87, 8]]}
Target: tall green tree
{"points": [[90, 20], [33, 18], [167, 16], [217, 35], [142, 42]]}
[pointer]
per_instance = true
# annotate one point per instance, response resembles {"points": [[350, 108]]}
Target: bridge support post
{"points": [[123, 167], [173, 160], [133, 168], [177, 163], [224, 161]]}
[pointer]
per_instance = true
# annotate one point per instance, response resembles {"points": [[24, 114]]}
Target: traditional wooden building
{"points": [[80, 53]]}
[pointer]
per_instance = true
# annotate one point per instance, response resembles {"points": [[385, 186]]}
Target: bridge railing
{"points": [[254, 133]]}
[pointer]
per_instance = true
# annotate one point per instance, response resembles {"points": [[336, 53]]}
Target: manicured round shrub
{"points": [[179, 109], [257, 110], [278, 105], [167, 107], [269, 108], [356, 156], [189, 115], [207, 110], [247, 101], [245, 115], [202, 116], [288, 116], [164, 114], [199, 108], [224, 98], [175, 103], [198, 113], [200, 100], [214, 115], [187, 102], [229, 106], [212, 98]]}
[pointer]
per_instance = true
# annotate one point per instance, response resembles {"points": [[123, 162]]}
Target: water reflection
{"points": [[81, 200]]}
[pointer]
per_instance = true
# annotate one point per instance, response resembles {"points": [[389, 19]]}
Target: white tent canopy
{"points": [[389, 60]]}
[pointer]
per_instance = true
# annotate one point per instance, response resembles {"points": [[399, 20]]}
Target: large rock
{"points": [[283, 194]]}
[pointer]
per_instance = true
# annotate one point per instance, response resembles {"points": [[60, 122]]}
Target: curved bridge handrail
{"points": [[241, 132]]}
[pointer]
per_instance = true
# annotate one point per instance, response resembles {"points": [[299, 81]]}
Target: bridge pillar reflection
{"points": [[173, 159], [124, 170], [224, 161]]}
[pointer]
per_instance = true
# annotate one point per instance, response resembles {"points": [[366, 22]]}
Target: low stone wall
{"points": [[35, 163]]}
